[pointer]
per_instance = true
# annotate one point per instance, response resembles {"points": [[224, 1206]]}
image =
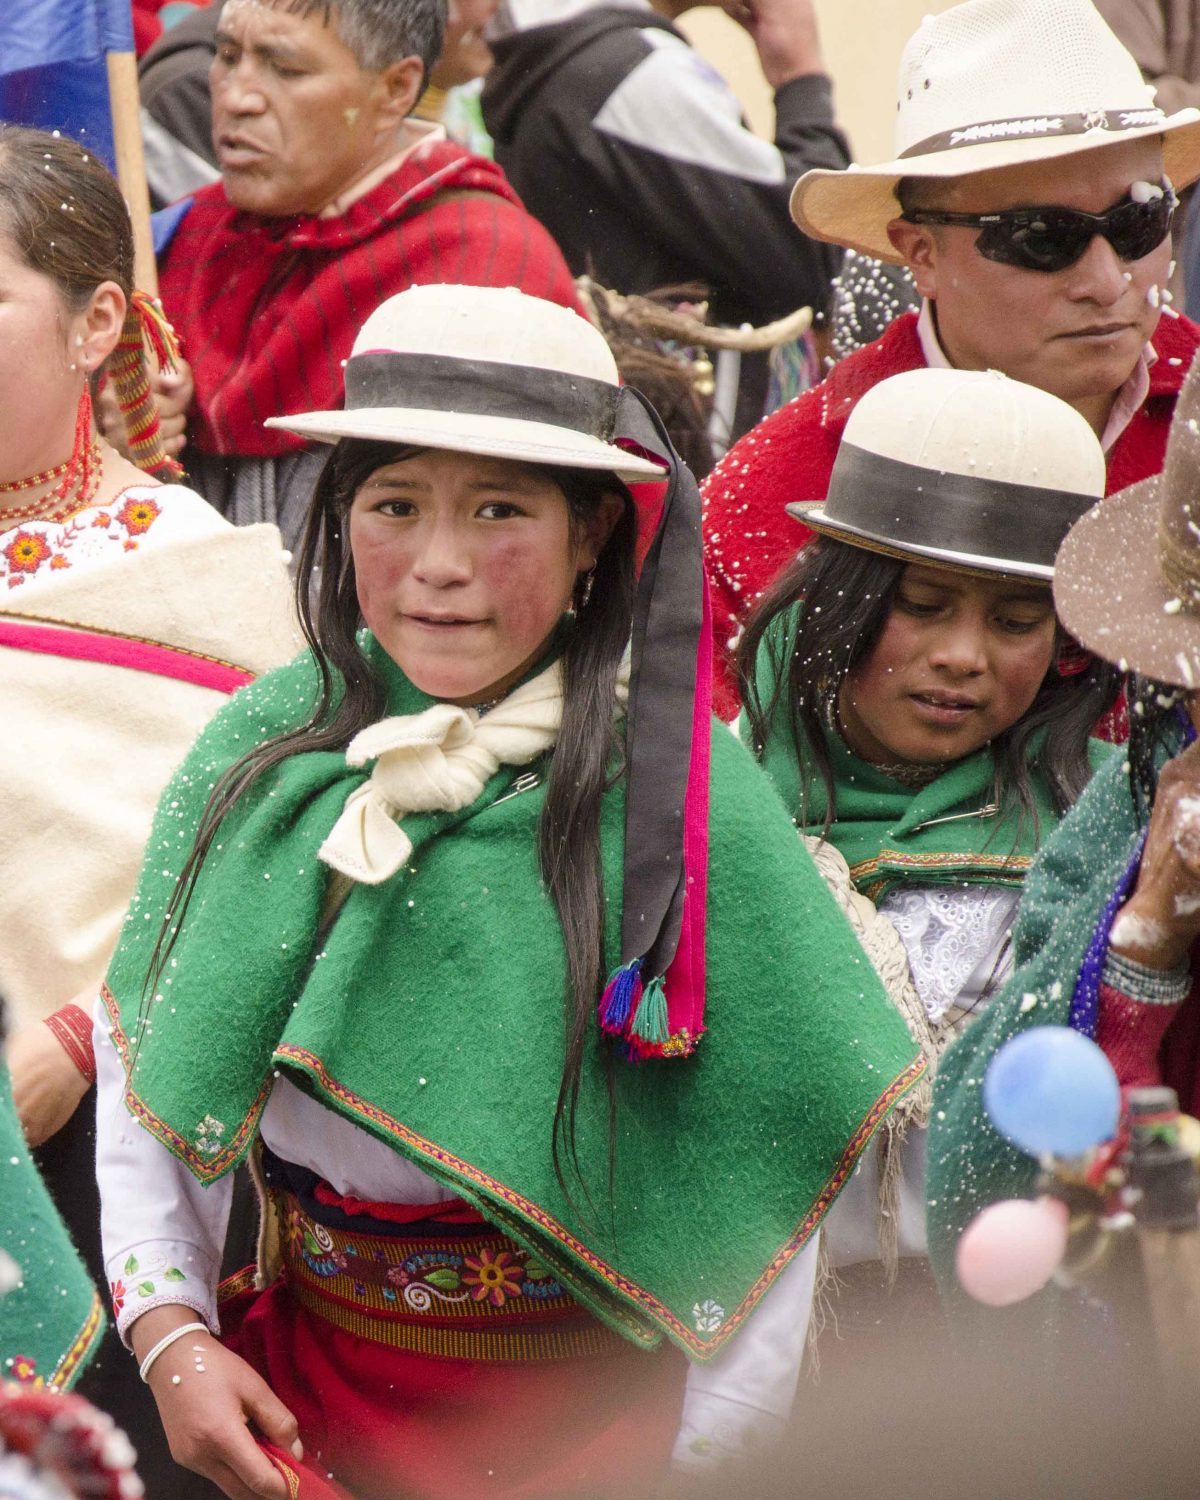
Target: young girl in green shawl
{"points": [[412, 912], [912, 696]]}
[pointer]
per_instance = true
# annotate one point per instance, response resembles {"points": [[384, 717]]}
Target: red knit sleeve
{"points": [[1130, 1032], [748, 536]]}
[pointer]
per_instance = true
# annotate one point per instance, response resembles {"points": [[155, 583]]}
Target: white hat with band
{"points": [[962, 469], [995, 83], [486, 370]]}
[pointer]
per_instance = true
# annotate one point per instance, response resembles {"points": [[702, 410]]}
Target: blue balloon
{"points": [[1051, 1091]]}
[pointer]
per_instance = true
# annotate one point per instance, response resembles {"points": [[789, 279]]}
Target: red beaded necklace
{"points": [[78, 480]]}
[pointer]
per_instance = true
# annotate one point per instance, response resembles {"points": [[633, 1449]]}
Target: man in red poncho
{"points": [[1031, 197], [331, 200]]}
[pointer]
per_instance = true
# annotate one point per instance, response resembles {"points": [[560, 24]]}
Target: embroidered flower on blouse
{"points": [[138, 515], [708, 1316], [24, 1370], [27, 552], [117, 1289], [208, 1136], [494, 1276], [59, 561]]}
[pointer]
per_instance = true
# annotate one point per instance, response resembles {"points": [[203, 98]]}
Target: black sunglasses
{"points": [[1051, 239]]}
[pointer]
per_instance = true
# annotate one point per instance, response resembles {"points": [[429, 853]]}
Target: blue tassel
{"points": [[621, 995]]}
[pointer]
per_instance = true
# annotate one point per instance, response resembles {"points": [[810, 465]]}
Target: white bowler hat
{"points": [[485, 370], [964, 469], [994, 83]]}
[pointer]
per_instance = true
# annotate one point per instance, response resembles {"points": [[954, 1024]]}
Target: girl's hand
{"points": [[1161, 920], [207, 1399], [47, 1086]]}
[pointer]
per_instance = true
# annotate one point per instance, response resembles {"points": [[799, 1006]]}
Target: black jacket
{"points": [[631, 149]]}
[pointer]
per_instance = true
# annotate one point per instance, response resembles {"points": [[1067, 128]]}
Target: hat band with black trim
{"points": [[483, 388], [907, 505], [1034, 126]]}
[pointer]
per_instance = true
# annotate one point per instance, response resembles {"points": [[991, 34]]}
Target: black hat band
{"points": [[483, 388], [911, 506], [1036, 127]]}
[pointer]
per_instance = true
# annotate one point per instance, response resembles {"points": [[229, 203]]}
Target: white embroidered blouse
{"points": [[163, 1236]]}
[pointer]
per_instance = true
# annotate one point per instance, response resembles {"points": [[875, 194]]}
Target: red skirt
{"points": [[353, 1340]]}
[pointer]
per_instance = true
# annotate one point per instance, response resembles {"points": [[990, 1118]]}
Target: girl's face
{"points": [[464, 566], [38, 392], [960, 660]]}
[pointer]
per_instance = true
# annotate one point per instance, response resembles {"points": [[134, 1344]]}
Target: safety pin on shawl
{"points": [[988, 810]]}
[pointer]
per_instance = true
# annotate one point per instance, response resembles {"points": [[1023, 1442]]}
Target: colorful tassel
{"points": [[620, 999], [127, 366], [650, 1018], [159, 333]]}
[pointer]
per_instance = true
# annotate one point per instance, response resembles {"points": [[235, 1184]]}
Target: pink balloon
{"points": [[1012, 1249]]}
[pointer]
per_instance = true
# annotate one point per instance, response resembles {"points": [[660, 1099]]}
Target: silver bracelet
{"points": [[165, 1343], [1146, 985]]}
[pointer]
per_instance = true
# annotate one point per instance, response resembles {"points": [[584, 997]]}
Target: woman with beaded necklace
{"points": [[927, 721], [129, 611]]}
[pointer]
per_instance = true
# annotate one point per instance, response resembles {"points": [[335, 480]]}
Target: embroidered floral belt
{"points": [[472, 1296]]}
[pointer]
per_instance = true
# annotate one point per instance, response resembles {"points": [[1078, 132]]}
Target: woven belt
{"points": [[477, 1296]]}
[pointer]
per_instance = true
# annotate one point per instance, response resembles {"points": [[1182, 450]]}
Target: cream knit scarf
{"points": [[438, 760]]}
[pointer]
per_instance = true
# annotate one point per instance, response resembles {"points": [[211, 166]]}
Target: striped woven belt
{"points": [[477, 1296]]}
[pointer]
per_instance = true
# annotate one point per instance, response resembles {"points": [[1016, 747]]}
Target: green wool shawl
{"points": [[431, 1014], [51, 1321], [970, 1164], [950, 832]]}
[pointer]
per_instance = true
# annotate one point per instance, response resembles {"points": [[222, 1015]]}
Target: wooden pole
{"points": [[131, 164]]}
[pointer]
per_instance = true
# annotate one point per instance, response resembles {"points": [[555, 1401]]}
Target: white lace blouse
{"points": [[956, 938]]}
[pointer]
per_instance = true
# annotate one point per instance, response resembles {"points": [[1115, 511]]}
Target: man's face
{"points": [[1076, 333], [296, 119]]}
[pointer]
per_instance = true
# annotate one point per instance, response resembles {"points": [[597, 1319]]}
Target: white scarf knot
{"points": [[439, 760]]}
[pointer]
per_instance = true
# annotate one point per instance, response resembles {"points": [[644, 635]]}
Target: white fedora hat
{"points": [[961, 468], [992, 83], [485, 370]]}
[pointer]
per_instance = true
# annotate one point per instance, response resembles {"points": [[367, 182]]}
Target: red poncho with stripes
{"points": [[267, 309]]}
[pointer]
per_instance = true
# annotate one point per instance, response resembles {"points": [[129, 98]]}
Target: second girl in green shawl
{"points": [[913, 697]]}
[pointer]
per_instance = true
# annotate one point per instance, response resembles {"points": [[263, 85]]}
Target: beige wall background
{"points": [[862, 41]]}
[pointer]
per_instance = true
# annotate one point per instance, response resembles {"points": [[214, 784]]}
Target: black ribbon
{"points": [[910, 506], [667, 617], [483, 388], [1035, 127]]}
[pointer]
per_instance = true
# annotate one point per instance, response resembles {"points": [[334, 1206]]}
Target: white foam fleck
{"points": [[1136, 931], [1185, 829]]}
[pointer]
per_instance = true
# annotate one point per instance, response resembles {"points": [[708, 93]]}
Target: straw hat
{"points": [[1127, 578], [485, 370], [993, 83], [961, 468]]}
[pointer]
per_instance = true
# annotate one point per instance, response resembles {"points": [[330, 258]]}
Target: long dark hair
{"points": [[848, 593], [351, 696], [1157, 720]]}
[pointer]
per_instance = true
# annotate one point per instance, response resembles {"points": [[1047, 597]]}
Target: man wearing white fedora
{"points": [[1031, 196]]}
